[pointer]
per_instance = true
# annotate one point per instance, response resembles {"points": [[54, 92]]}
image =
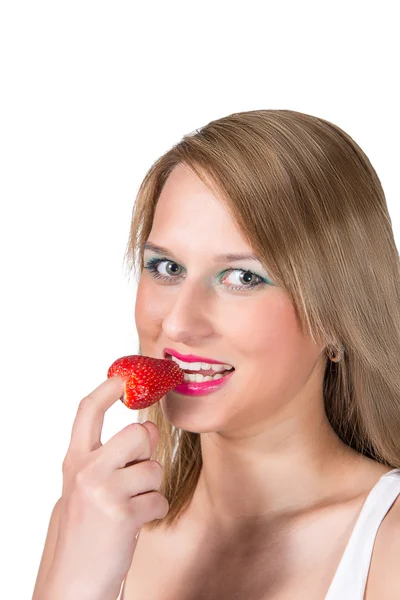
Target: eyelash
{"points": [[153, 263]]}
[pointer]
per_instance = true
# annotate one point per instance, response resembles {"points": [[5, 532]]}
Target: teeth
{"points": [[198, 378], [201, 366]]}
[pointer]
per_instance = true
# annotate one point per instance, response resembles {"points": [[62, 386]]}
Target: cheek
{"points": [[265, 329], [149, 308], [277, 358], [268, 330]]}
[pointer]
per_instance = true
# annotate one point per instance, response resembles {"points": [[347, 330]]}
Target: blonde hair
{"points": [[311, 206]]}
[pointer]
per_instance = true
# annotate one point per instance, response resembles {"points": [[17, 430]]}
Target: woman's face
{"points": [[197, 311]]}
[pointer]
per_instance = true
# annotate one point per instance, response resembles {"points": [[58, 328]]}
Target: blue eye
{"points": [[153, 263]]}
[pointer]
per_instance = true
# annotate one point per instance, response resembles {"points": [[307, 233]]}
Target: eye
{"points": [[171, 268], [244, 279], [171, 274]]}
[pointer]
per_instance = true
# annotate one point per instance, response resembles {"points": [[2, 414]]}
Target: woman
{"points": [[274, 482]]}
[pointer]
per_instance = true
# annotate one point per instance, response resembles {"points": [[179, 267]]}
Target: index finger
{"points": [[89, 419]]}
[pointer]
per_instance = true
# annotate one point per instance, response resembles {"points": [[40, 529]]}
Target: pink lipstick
{"points": [[203, 388], [193, 357], [192, 388]]}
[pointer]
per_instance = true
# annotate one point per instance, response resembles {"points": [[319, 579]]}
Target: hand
{"points": [[109, 492]]}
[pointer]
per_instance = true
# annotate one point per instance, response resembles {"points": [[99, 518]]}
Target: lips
{"points": [[192, 388], [188, 358]]}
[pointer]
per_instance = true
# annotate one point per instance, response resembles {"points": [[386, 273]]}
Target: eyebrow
{"points": [[230, 257]]}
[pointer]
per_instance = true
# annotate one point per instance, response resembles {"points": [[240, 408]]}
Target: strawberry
{"points": [[147, 379]]}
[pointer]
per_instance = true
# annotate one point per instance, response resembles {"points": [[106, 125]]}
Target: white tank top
{"points": [[351, 575]]}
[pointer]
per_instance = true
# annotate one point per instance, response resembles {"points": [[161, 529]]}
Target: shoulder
{"points": [[383, 581]]}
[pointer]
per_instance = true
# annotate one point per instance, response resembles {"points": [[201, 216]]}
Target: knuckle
{"points": [[101, 496], [159, 504], [69, 466], [149, 506], [156, 499], [153, 465], [152, 468], [81, 479], [142, 436], [157, 471], [139, 430], [85, 403], [85, 478]]}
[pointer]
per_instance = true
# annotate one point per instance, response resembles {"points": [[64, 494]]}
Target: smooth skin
{"points": [[276, 479], [104, 504], [269, 422], [275, 475]]}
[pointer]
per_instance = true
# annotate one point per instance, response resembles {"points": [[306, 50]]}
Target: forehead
{"points": [[190, 216]]}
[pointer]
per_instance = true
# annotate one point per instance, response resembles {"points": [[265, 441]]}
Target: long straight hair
{"points": [[311, 206]]}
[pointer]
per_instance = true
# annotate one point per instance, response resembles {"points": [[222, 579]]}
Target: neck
{"points": [[272, 471]]}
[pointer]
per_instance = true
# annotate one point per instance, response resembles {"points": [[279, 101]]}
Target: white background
{"points": [[91, 94]]}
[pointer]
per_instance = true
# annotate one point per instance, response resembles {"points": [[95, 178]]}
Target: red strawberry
{"points": [[147, 379]]}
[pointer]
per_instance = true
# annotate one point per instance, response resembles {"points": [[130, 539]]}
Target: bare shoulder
{"points": [[383, 581]]}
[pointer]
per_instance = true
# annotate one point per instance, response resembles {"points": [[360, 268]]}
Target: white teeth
{"points": [[198, 366], [198, 378]]}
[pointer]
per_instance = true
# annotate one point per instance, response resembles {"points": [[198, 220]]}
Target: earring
{"points": [[335, 358]]}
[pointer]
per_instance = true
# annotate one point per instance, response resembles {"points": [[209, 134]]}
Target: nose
{"points": [[188, 317]]}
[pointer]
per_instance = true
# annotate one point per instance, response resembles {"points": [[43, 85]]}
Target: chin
{"points": [[178, 411]]}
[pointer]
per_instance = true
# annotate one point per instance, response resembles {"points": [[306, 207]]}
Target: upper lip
{"points": [[189, 358]]}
